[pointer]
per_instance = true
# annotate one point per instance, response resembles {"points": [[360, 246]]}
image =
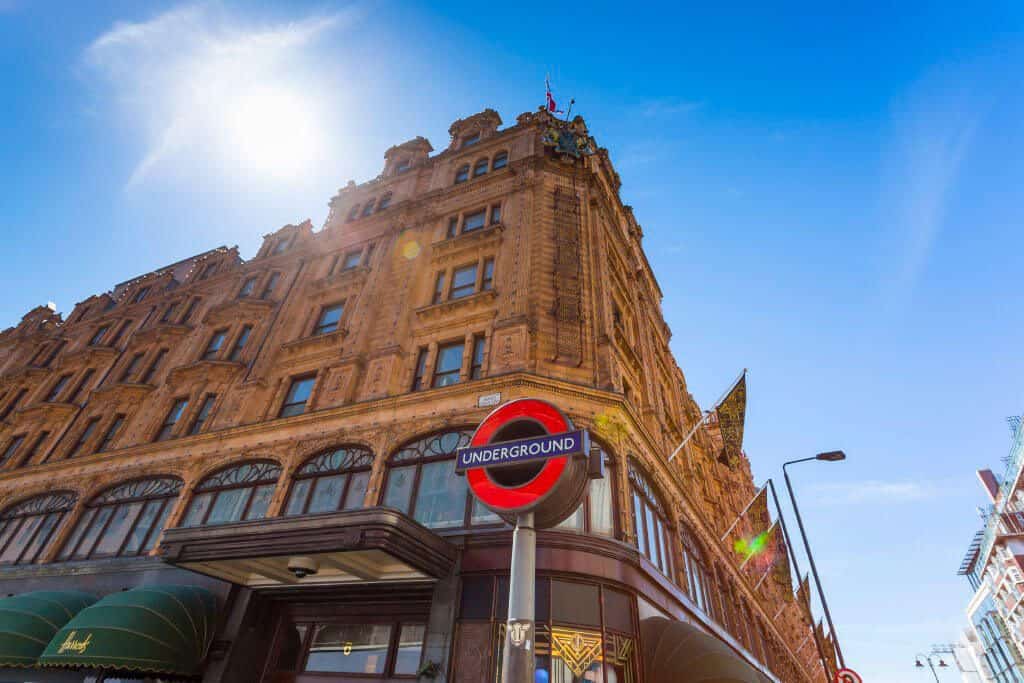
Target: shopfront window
{"points": [[596, 514], [650, 522], [332, 481], [360, 648], [27, 527], [235, 494], [422, 483], [124, 520]]}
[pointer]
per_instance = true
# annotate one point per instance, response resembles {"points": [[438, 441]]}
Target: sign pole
{"points": [[518, 663]]}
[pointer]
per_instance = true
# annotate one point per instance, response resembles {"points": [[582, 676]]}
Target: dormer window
{"points": [[385, 200], [368, 209], [140, 295], [403, 166], [247, 287], [282, 246], [352, 213], [470, 140], [462, 175], [500, 161]]}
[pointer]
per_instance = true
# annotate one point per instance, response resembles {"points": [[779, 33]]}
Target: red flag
{"points": [[552, 106]]}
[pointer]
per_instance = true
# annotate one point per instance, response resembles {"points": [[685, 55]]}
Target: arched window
{"points": [[368, 208], [26, 527], [385, 201], [331, 481], [597, 513], [480, 168], [123, 520], [650, 521], [422, 483], [500, 161], [695, 571], [462, 175], [234, 494]]}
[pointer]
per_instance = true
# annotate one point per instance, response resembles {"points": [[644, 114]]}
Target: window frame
{"points": [[83, 437], [320, 327], [111, 432], [154, 366], [458, 371], [210, 352], [285, 405], [217, 490], [167, 427], [462, 174], [248, 287], [14, 445], [364, 455], [62, 502], [202, 415], [643, 491], [502, 154], [238, 347], [58, 387]]}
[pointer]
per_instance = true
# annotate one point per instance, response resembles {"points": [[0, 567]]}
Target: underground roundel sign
{"points": [[848, 676], [526, 456]]}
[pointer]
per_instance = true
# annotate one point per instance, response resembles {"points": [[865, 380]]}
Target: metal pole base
{"points": [[517, 660]]}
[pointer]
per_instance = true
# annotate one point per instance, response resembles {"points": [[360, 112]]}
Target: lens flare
{"points": [[411, 249]]}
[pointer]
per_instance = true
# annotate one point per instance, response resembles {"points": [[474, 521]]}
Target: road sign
{"points": [[848, 676]]}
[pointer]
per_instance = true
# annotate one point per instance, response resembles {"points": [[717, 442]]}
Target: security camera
{"points": [[303, 566]]}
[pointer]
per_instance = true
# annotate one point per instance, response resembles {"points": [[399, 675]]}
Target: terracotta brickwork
{"points": [[562, 300]]}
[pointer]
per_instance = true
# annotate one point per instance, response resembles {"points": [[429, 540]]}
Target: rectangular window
{"points": [[438, 289], [272, 281], [97, 338], [356, 649], [12, 448], [495, 214], [120, 333], [476, 370], [13, 404], [169, 312], [453, 227], [247, 287], [83, 437], [141, 295], [46, 354], [187, 316], [132, 367], [329, 318], [421, 368], [487, 282], [108, 436], [173, 415], [352, 260], [243, 339], [463, 282], [297, 397], [203, 415], [34, 450], [213, 348], [81, 386], [474, 221], [57, 387], [448, 365], [208, 271], [154, 367], [470, 140], [282, 245]]}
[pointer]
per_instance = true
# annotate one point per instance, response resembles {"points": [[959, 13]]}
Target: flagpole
{"points": [[737, 521], [706, 415]]}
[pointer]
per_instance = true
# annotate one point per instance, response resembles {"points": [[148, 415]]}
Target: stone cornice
{"points": [[452, 248], [237, 309], [160, 332], [472, 306]]}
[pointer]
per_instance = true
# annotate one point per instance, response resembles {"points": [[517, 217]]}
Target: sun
{"points": [[271, 131]]}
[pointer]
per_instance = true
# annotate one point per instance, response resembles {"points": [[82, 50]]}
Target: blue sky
{"points": [[830, 197]]}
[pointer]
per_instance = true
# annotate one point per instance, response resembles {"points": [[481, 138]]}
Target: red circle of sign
{"points": [[848, 676], [504, 498]]}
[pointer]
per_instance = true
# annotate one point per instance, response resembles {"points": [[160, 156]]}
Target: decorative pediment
{"points": [[455, 247], [217, 371], [44, 411], [315, 344], [88, 355], [484, 123], [348, 278], [161, 332], [22, 373], [124, 392], [237, 310]]}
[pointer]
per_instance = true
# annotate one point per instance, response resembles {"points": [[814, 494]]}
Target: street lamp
{"points": [[828, 456], [928, 658]]}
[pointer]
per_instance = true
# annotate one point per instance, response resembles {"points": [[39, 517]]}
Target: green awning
{"points": [[152, 629], [28, 622]]}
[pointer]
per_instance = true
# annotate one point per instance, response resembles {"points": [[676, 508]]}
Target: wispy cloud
{"points": [[874, 491], [199, 79], [669, 107]]}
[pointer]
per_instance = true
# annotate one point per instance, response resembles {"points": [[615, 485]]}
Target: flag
{"points": [[551, 105], [751, 535], [803, 595], [731, 412]]}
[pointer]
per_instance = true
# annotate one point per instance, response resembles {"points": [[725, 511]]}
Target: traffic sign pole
{"points": [[517, 661]]}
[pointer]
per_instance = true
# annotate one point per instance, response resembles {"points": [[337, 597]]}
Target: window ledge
{"points": [[315, 343], [24, 372], [351, 276], [159, 331], [213, 370], [49, 409], [482, 237], [445, 307], [124, 391]]}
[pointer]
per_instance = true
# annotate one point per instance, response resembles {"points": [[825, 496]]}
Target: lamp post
{"points": [[829, 456], [928, 658]]}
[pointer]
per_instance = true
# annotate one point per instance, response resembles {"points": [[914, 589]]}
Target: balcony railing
{"points": [[1006, 488]]}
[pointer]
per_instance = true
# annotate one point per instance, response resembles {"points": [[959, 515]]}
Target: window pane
{"points": [[20, 538], [574, 521], [327, 494], [41, 538], [117, 530], [618, 610], [361, 649], [477, 595], [85, 548], [449, 364], [410, 645], [463, 282], [601, 515], [399, 488], [228, 506], [653, 539], [260, 502], [297, 498], [351, 259], [141, 530], [638, 524], [197, 509], [575, 603], [441, 499], [356, 491], [474, 221], [158, 526], [73, 539], [481, 515]]}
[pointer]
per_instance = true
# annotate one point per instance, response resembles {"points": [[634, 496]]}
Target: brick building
{"points": [[211, 421]]}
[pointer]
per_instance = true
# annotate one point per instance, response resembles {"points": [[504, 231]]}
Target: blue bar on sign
{"points": [[522, 450]]}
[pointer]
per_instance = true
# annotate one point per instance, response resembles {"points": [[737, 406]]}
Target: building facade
{"points": [[281, 432], [994, 567]]}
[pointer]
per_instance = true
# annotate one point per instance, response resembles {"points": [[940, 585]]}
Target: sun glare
{"points": [[271, 131]]}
